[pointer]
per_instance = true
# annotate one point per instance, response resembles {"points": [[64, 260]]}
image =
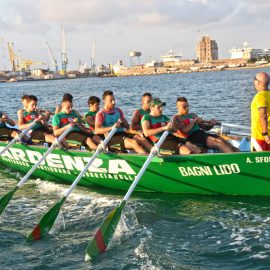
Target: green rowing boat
{"points": [[241, 173]]}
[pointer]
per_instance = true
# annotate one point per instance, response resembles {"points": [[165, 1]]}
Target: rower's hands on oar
{"points": [[118, 124], [168, 127], [73, 123], [267, 139], [4, 117], [39, 118]]}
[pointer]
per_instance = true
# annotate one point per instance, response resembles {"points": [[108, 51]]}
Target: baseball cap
{"points": [[157, 101]]}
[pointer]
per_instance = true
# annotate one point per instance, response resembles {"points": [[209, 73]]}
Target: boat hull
{"points": [[227, 174]]}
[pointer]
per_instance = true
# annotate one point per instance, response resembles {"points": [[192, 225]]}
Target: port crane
{"points": [[64, 51], [52, 58], [19, 63]]}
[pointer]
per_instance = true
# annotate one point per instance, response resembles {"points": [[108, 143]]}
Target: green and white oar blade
{"points": [[102, 238], [6, 198], [46, 222]]}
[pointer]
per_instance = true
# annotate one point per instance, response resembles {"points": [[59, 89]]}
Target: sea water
{"points": [[156, 231]]}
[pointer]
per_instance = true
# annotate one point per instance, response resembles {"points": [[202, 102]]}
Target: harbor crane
{"points": [[12, 56], [19, 63], [64, 51], [52, 58]]}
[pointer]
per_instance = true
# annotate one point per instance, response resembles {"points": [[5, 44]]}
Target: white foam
{"points": [[260, 256], [58, 224]]}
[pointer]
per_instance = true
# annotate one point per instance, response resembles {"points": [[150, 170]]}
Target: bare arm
{"points": [[264, 123], [8, 120], [124, 121], [152, 131], [58, 109], [57, 131], [102, 130], [189, 126], [135, 122], [20, 121], [263, 119]]}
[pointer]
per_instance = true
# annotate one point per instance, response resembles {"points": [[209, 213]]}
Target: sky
{"points": [[152, 27]]}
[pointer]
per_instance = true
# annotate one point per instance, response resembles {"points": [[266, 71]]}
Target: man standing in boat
{"points": [[155, 123], [189, 127], [79, 133], [106, 120], [260, 114], [135, 126]]}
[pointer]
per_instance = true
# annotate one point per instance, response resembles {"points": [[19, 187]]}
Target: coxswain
{"points": [[260, 114]]}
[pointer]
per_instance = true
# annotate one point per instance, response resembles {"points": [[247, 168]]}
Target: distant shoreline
{"points": [[130, 72], [133, 72]]}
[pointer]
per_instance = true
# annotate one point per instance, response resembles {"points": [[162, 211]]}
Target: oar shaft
{"points": [[81, 174], [18, 138], [233, 126], [47, 221], [97, 152], [55, 144], [101, 240], [154, 152]]}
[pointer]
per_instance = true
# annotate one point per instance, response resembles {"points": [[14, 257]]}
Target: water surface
{"points": [[157, 231]]}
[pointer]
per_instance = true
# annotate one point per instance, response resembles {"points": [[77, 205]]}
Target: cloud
{"points": [[152, 26], [39, 15]]}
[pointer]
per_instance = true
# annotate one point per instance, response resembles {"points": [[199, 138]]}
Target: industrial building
{"points": [[207, 50]]}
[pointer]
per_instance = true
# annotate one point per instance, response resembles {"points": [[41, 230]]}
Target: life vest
{"points": [[111, 118]]}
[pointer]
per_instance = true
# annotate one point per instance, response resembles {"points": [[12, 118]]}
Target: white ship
{"points": [[171, 57]]}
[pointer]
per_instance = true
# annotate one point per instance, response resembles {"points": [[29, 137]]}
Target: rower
{"points": [[66, 96], [139, 113], [80, 133], [135, 126], [6, 131], [90, 116], [108, 117], [155, 123], [41, 131], [24, 100], [189, 127]]}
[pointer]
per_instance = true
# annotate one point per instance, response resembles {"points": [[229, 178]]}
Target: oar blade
{"points": [[46, 222], [104, 234], [6, 199]]}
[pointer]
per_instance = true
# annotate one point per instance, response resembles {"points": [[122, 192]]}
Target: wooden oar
{"points": [[6, 198], [18, 138], [101, 240], [47, 221]]}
